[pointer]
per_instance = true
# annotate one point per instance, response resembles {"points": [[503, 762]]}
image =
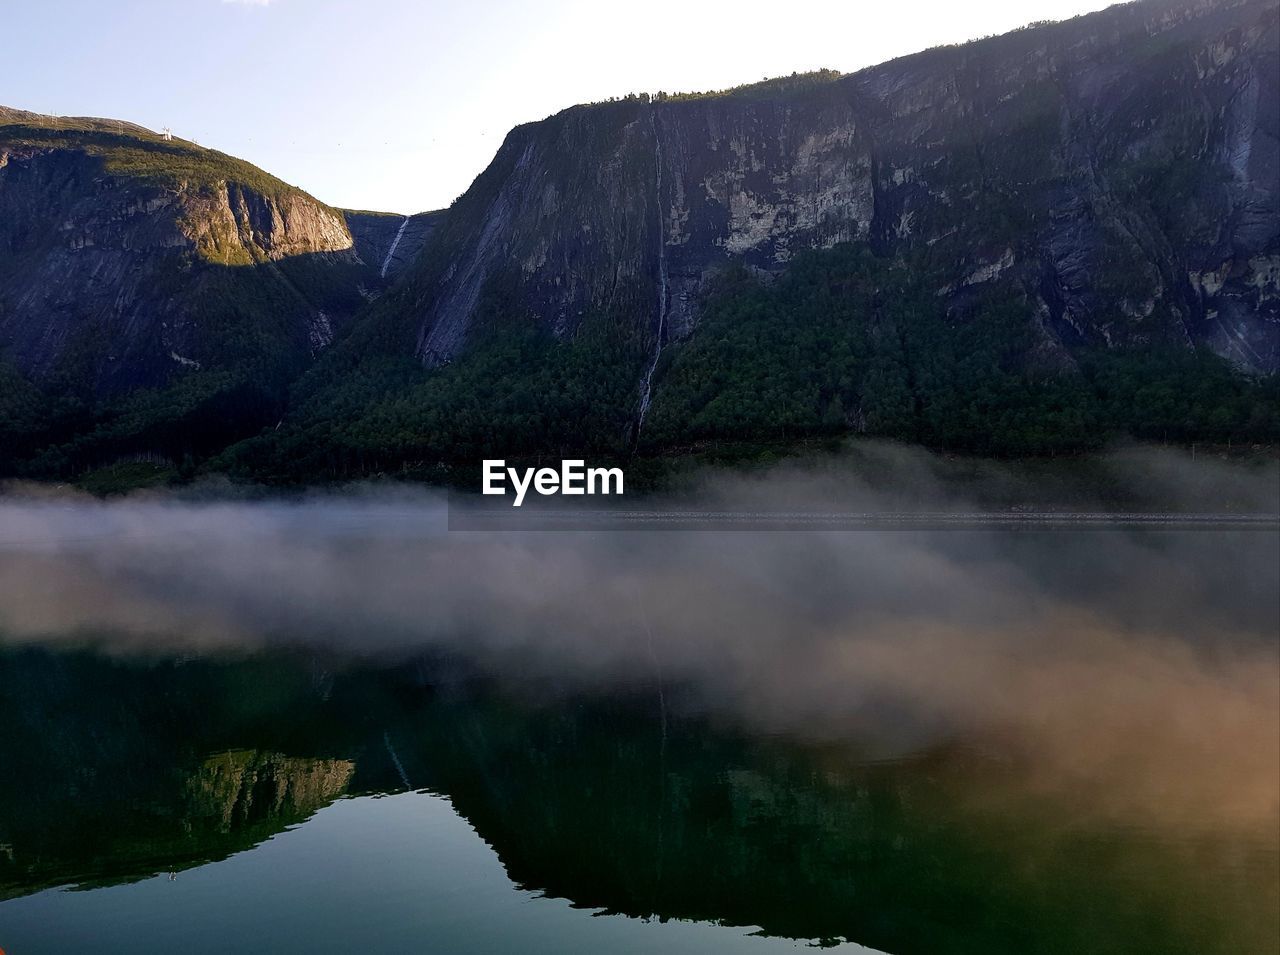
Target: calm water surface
{"points": [[311, 728], [372, 809], [400, 873]]}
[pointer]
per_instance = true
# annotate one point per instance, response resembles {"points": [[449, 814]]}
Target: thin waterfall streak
{"points": [[386, 263], [646, 390]]}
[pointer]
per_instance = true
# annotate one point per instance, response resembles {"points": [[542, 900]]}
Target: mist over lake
{"points": [[1117, 687], [742, 479]]}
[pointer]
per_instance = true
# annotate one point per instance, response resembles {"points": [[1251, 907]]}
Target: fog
{"points": [[1143, 663]]}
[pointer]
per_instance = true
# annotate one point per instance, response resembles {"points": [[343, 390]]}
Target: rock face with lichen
{"points": [[1120, 169], [126, 258]]}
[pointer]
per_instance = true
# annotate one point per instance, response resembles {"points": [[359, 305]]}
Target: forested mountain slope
{"points": [[1035, 242], [1032, 242]]}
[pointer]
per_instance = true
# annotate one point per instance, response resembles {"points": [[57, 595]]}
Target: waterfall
{"points": [[386, 263], [646, 386]]}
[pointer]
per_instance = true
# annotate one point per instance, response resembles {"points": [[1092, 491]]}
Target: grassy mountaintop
{"points": [[128, 149]]}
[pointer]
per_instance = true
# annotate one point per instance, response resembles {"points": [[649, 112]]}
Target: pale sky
{"points": [[398, 105]]}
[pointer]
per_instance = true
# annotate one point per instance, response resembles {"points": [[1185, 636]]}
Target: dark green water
{"points": [[289, 802]]}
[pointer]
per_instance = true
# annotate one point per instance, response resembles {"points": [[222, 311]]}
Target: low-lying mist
{"points": [[1142, 664]]}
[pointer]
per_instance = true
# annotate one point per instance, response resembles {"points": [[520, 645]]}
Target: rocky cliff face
{"points": [[390, 242], [131, 257], [1037, 217], [1120, 170]]}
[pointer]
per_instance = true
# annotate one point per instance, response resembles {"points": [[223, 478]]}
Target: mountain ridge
{"points": [[876, 208], [1014, 215]]}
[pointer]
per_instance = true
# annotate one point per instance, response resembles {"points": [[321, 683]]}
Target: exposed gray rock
{"points": [[1122, 168], [375, 235], [125, 278]]}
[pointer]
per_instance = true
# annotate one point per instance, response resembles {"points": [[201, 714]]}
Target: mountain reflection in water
{"points": [[118, 768]]}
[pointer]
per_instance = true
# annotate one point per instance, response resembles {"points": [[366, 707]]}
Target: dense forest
{"points": [[843, 344], [846, 342]]}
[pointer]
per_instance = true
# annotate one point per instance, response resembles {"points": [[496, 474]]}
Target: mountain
{"points": [[1121, 170], [1031, 242], [130, 261], [118, 234]]}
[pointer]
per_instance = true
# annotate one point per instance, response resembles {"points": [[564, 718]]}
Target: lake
{"points": [[329, 723]]}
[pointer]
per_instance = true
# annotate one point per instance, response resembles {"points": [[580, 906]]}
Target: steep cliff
{"points": [[157, 298], [127, 258], [1120, 170], [1029, 243], [389, 241]]}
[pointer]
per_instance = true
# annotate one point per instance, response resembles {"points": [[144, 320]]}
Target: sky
{"points": [[398, 105]]}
